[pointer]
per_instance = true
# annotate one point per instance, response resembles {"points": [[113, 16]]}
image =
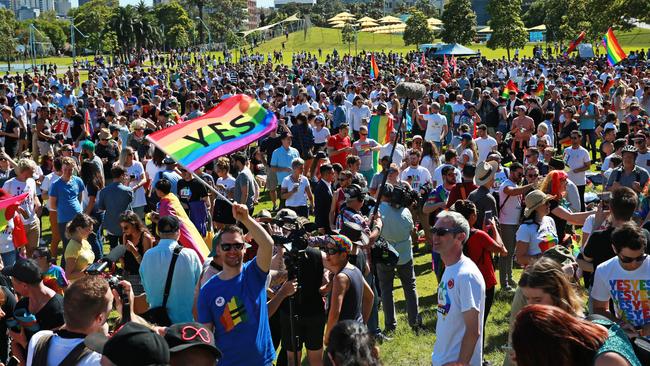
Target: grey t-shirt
{"points": [[365, 154], [245, 179], [637, 175], [484, 201]]}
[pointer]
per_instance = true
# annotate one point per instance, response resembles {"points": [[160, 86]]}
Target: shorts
{"points": [[309, 330], [271, 179]]}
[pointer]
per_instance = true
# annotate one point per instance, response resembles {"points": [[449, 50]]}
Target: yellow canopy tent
{"points": [[389, 20], [366, 19]]}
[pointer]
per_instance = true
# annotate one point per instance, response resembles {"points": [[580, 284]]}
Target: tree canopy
{"points": [[459, 22], [508, 30], [417, 30]]}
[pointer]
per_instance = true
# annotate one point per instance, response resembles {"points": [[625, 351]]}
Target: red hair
{"points": [[547, 335], [551, 184]]}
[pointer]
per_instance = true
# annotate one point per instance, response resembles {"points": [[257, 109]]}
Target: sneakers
{"points": [[381, 338]]}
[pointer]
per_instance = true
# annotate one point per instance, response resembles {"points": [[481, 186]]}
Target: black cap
{"points": [[354, 191], [168, 161], [355, 233], [556, 163], [24, 270], [133, 344], [168, 225], [182, 336]]}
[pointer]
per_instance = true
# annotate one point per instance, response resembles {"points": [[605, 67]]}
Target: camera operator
{"points": [[86, 306], [233, 303], [394, 209], [305, 264], [40, 307]]}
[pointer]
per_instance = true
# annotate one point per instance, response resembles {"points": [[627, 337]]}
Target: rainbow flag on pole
{"points": [[374, 69], [540, 91], [511, 86], [231, 125], [379, 129], [615, 53], [574, 44]]}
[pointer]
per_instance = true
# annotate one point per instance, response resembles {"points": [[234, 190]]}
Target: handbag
{"points": [[159, 315], [384, 253]]}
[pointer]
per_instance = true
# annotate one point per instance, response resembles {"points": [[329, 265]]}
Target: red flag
{"points": [[424, 59], [574, 44], [87, 124], [453, 63], [445, 63]]}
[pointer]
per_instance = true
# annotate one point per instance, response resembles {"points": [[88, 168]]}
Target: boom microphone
{"points": [[410, 90]]}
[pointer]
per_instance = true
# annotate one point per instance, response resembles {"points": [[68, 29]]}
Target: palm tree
{"points": [[124, 22]]}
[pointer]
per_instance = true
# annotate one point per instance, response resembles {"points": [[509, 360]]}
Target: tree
{"points": [[57, 30], [226, 15], [348, 35], [170, 15], [427, 8], [508, 31], [459, 22], [92, 19], [535, 14], [417, 29], [178, 37], [8, 27]]}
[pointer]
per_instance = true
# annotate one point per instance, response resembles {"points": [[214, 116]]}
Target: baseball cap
{"points": [[355, 233], [168, 225], [341, 242], [24, 270], [183, 336], [354, 191], [132, 344], [168, 161]]}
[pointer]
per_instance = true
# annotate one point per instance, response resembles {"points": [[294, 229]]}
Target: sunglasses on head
{"points": [[625, 259], [332, 251], [441, 231], [226, 247]]}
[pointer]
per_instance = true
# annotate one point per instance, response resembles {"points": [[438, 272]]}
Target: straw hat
{"points": [[104, 134], [534, 199], [485, 171]]}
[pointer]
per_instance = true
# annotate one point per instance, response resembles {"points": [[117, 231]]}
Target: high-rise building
{"points": [[47, 5], [25, 13], [62, 7], [253, 16], [156, 2]]}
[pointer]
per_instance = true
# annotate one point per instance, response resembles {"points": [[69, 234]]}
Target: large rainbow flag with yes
{"points": [[231, 125], [190, 236], [379, 129]]}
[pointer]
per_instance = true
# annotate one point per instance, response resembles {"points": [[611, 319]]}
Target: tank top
{"points": [[616, 342], [351, 307]]}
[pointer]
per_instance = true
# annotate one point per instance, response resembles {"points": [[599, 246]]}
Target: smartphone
{"points": [[488, 216]]}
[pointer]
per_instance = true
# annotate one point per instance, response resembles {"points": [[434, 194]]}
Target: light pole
{"points": [[72, 29], [207, 30]]}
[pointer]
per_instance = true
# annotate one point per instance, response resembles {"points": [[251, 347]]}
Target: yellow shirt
{"points": [[82, 252]]}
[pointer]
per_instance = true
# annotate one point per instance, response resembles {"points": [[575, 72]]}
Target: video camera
{"points": [[107, 269], [400, 195], [295, 242]]}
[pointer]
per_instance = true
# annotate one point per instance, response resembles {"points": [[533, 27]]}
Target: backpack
{"points": [[73, 358]]}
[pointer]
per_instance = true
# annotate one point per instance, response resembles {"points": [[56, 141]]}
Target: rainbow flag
{"points": [[8, 209], [231, 125], [549, 242], [608, 86], [574, 44], [540, 91], [379, 129], [511, 86], [615, 53], [190, 236], [374, 69], [88, 126]]}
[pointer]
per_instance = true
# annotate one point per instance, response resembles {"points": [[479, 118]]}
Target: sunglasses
{"points": [[226, 247], [332, 251], [441, 231], [533, 175], [625, 259]]}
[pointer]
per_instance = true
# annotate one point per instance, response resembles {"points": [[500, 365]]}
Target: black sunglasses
{"points": [[226, 247], [625, 259], [441, 231], [332, 251]]}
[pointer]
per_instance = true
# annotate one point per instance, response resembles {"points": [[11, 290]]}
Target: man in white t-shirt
{"points": [[31, 205], [624, 279], [510, 195], [643, 155], [451, 159], [358, 113], [416, 174], [578, 161], [88, 301], [485, 144], [400, 150], [461, 296], [436, 126]]}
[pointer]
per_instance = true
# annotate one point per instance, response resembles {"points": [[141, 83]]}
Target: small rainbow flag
{"points": [[549, 242], [540, 90], [374, 69], [190, 236], [231, 125], [8, 209], [511, 86], [574, 44], [379, 129], [615, 53]]}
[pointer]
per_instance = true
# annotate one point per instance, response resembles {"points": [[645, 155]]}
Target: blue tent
{"points": [[455, 49]]}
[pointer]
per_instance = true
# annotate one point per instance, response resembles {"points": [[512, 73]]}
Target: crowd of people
{"points": [[550, 177]]}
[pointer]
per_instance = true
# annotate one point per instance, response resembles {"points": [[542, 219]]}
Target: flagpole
{"points": [[208, 186]]}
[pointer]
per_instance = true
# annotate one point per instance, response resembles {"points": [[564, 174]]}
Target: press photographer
{"points": [[302, 315]]}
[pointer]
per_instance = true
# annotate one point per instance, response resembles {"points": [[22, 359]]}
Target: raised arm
{"points": [[261, 237]]}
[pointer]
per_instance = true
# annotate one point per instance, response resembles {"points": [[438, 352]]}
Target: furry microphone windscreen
{"points": [[410, 90]]}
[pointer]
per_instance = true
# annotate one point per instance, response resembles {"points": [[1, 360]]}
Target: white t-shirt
{"points": [[400, 152], [139, 197], [357, 114], [300, 197], [418, 175], [574, 159], [540, 238], [485, 146], [6, 238], [48, 180], [228, 183], [470, 155], [461, 289], [152, 169], [59, 349], [643, 160], [628, 289], [435, 124], [15, 188], [320, 137], [511, 210], [429, 163]]}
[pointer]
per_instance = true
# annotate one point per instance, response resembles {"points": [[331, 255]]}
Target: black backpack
{"points": [[73, 358]]}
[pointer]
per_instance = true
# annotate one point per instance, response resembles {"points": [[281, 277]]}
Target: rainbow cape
{"points": [[379, 129], [374, 69], [615, 53], [190, 236], [540, 90], [231, 125], [511, 86]]}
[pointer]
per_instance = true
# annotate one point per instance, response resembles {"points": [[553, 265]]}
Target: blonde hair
{"points": [[24, 164], [138, 124]]}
